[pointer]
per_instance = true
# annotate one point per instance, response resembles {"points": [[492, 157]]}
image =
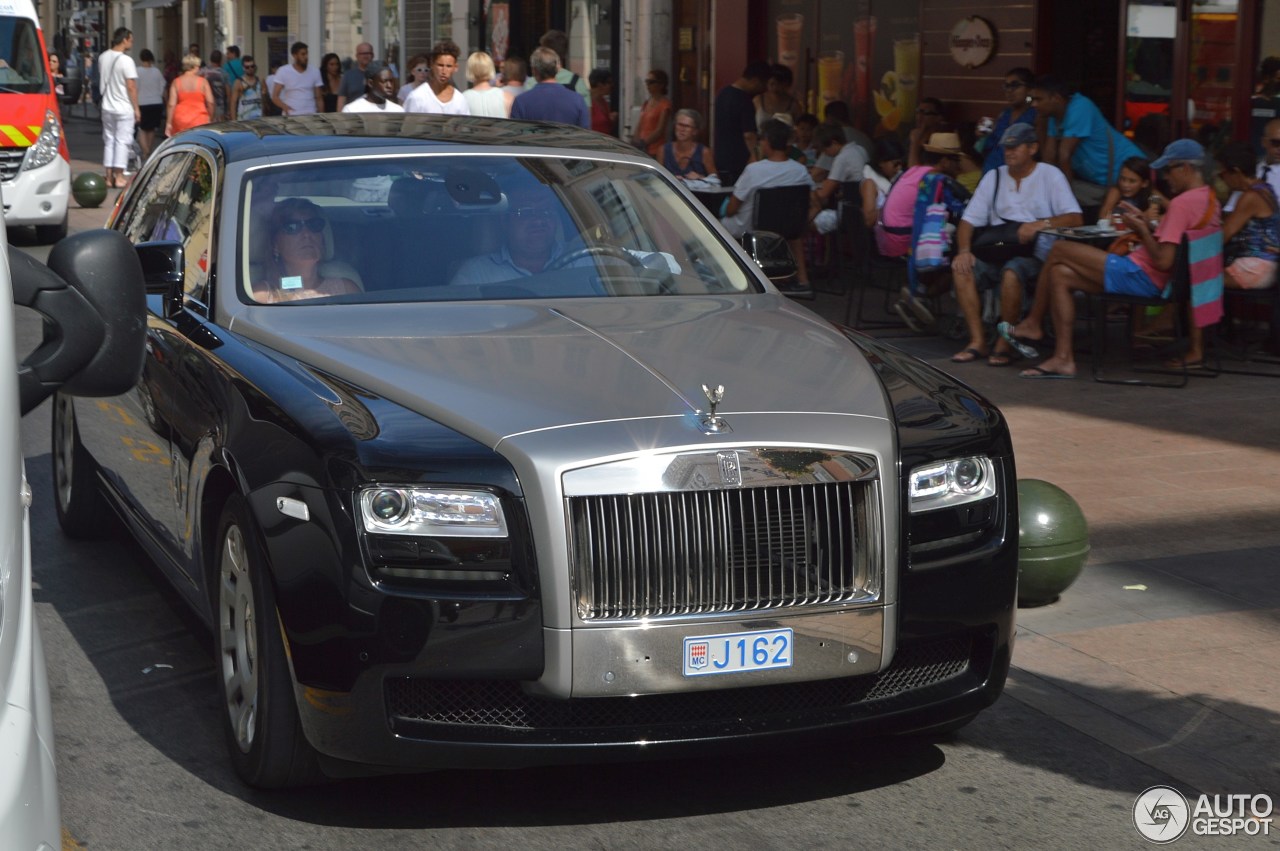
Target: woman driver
{"points": [[297, 250]]}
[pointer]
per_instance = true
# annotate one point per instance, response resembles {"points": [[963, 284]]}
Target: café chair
{"points": [[1241, 307], [1179, 301], [784, 210], [866, 264]]}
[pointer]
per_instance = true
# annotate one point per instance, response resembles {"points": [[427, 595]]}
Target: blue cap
{"points": [[1018, 134], [1180, 151]]}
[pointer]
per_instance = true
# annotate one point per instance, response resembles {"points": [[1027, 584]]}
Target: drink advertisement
{"points": [[865, 53]]}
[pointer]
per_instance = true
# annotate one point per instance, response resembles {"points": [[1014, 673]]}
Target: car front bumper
{"points": [[38, 196]]}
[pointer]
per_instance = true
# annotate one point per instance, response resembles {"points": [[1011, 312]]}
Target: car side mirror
{"points": [[771, 253], [163, 271], [91, 298]]}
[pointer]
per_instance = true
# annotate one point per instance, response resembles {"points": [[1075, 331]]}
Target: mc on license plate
{"points": [[737, 651]]}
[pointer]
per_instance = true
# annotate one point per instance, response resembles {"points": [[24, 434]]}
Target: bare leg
{"points": [[1075, 259], [971, 308], [1010, 307], [802, 268], [1063, 281], [146, 141]]}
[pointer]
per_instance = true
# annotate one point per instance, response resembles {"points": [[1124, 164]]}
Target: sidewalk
{"points": [[1167, 647]]}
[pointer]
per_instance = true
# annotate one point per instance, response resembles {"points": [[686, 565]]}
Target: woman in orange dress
{"points": [[655, 115], [190, 98]]}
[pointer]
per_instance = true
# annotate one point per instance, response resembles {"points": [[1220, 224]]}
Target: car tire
{"points": [[260, 713], [49, 234], [83, 512]]}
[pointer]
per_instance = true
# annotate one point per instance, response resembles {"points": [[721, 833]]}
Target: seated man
{"points": [[1079, 140], [1075, 266], [1021, 190], [530, 240], [775, 169], [848, 162]]}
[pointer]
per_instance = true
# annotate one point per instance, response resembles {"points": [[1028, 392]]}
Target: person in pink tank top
{"points": [[893, 231]]}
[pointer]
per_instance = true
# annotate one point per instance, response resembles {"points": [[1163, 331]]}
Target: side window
{"points": [[192, 218], [145, 220]]}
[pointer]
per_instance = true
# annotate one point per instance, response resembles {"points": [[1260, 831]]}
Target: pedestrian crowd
{"points": [[973, 210]]}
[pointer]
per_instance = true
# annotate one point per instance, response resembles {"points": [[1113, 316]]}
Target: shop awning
{"points": [[154, 4]]}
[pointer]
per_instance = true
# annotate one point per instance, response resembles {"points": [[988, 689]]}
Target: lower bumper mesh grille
{"points": [[503, 704]]}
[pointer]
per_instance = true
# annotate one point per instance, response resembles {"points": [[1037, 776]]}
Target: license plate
{"points": [[737, 652]]}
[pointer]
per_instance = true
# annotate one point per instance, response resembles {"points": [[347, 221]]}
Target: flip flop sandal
{"points": [[1037, 373], [969, 355], [1021, 345]]}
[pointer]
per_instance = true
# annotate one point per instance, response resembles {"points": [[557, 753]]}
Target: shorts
{"points": [[1125, 277], [152, 116], [988, 275], [1251, 273]]}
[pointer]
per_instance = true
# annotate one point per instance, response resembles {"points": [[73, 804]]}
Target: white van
{"points": [[35, 167]]}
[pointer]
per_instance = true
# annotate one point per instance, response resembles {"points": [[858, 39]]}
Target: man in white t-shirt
{"points": [[380, 87], [775, 169], [298, 90], [1036, 194], [118, 77], [848, 161]]}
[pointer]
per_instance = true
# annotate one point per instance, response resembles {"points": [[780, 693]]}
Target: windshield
{"points": [[21, 61], [466, 228]]}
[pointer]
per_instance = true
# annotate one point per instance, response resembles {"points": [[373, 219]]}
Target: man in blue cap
{"points": [[1023, 193], [1145, 271]]}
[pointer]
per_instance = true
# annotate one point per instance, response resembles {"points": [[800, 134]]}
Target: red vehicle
{"points": [[35, 167]]}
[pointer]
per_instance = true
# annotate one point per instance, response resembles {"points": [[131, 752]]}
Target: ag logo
{"points": [[1161, 814]]}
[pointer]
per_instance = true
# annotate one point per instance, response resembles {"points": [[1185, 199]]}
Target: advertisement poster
{"points": [[865, 53]]}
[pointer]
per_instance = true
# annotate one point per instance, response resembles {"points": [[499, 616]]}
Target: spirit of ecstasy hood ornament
{"points": [[710, 421]]}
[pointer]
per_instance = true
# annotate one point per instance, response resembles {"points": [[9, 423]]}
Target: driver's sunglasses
{"points": [[533, 214], [315, 224]]}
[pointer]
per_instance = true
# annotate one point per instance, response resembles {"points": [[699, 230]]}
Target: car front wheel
{"points": [[264, 734]]}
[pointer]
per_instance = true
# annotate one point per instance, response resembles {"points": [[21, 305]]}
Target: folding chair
{"points": [[1236, 302], [1179, 301], [784, 210], [866, 262]]}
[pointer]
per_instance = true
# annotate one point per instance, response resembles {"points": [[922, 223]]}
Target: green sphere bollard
{"points": [[89, 189], [1053, 542]]}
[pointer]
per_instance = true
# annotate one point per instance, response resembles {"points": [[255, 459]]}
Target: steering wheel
{"points": [[601, 250]]}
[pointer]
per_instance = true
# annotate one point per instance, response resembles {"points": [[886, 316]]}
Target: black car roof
{"points": [[354, 131]]}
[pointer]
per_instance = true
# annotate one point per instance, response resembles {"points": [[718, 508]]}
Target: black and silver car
{"points": [[477, 443]]}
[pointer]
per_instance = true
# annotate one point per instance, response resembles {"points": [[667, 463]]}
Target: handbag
{"points": [[934, 243], [998, 244]]}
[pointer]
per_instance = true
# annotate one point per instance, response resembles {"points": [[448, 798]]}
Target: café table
{"points": [[1088, 234], [712, 197]]}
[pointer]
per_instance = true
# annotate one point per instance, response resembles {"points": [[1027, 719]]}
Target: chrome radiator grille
{"points": [[732, 550]]}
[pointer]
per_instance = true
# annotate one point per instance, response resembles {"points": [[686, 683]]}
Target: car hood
{"points": [[495, 370]]}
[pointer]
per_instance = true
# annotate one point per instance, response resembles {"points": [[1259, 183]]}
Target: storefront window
{"points": [[1212, 82]]}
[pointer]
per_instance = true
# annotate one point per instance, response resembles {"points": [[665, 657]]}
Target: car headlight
{"points": [[432, 512], [950, 483], [46, 147]]}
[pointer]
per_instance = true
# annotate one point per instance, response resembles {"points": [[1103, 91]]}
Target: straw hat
{"points": [[943, 143]]}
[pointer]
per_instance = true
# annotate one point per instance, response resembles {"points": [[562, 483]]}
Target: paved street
{"points": [[1157, 666]]}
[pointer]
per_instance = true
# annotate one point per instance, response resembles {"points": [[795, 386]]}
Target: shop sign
{"points": [[972, 42]]}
